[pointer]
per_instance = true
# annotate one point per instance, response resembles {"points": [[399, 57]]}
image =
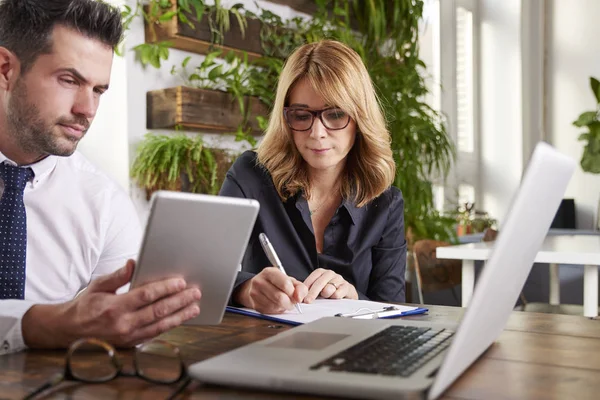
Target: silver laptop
{"points": [[389, 359]]}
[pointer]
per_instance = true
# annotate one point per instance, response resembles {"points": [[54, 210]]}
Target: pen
{"points": [[372, 313], [272, 256]]}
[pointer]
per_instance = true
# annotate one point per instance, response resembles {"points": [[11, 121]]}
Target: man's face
{"points": [[52, 105]]}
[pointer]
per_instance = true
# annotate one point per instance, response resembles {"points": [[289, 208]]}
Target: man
{"points": [[64, 225]]}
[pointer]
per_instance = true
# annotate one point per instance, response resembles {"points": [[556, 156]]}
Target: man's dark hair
{"points": [[26, 25]]}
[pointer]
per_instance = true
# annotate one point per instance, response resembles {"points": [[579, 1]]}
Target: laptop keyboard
{"points": [[395, 351]]}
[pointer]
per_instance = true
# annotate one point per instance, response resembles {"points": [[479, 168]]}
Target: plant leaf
{"points": [[585, 119], [215, 72], [595, 84], [167, 16]]}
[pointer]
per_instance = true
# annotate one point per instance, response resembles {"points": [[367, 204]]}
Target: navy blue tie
{"points": [[13, 231]]}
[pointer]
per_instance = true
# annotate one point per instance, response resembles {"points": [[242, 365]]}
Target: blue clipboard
{"points": [[255, 314], [377, 314]]}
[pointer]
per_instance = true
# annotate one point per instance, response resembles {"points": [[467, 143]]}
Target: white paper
{"points": [[328, 308]]}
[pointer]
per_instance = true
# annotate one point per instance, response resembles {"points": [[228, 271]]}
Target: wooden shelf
{"points": [[305, 6], [310, 7], [198, 40], [200, 110]]}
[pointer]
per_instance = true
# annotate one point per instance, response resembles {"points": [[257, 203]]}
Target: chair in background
{"points": [[433, 274]]}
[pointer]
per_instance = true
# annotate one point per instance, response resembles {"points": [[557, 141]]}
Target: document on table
{"points": [[320, 308]]}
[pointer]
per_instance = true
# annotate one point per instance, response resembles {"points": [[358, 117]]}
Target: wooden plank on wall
{"points": [[305, 6], [200, 110], [310, 7], [198, 39]]}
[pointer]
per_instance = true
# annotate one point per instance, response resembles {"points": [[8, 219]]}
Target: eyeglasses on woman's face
{"points": [[95, 361], [302, 119]]}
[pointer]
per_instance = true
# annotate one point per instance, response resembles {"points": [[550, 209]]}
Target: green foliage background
{"points": [[386, 35], [590, 159]]}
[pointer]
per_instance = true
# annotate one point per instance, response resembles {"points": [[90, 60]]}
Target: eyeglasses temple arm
{"points": [[55, 380]]}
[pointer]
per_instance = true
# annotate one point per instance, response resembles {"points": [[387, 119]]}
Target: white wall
{"points": [[500, 104], [571, 59], [105, 144], [121, 120], [573, 56], [120, 123]]}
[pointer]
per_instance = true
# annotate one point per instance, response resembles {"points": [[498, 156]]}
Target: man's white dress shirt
{"points": [[80, 225]]}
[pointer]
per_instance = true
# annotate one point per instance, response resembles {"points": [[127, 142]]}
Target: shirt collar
{"points": [[356, 213], [40, 168]]}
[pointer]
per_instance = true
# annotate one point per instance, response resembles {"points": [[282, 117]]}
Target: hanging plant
{"points": [[160, 12], [385, 33], [179, 163]]}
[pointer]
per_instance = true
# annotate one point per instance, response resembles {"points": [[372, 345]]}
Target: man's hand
{"points": [[328, 284], [124, 320], [271, 292]]}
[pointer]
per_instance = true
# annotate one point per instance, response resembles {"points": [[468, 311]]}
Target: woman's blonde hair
{"points": [[338, 75]]}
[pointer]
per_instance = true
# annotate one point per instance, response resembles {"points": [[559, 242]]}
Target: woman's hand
{"points": [[328, 284], [271, 292]]}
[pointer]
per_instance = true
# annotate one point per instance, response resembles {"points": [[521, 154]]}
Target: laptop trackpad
{"points": [[308, 340]]}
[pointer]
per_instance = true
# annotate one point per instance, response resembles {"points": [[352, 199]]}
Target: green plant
{"points": [[179, 163], [385, 33], [388, 42], [471, 220], [220, 23], [262, 78], [590, 159], [278, 37], [158, 12], [213, 75], [233, 76]]}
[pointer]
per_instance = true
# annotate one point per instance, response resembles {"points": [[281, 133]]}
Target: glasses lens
{"points": [[335, 118], [93, 361], [300, 120], [159, 361]]}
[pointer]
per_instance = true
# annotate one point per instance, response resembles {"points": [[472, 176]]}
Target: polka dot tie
{"points": [[13, 231]]}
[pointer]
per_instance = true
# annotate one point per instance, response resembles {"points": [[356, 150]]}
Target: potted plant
{"points": [[469, 220], [191, 25], [388, 43], [386, 35], [179, 163], [214, 97], [590, 159]]}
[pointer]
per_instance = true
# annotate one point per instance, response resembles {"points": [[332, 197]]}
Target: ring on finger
{"points": [[336, 286]]}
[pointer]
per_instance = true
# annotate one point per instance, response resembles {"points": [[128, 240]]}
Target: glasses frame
{"points": [[118, 365], [315, 114]]}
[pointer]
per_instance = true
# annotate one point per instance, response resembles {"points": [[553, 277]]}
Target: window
{"points": [[459, 36], [438, 197], [448, 46], [465, 83], [466, 194]]}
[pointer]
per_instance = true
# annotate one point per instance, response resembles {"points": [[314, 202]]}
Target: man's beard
{"points": [[31, 133]]}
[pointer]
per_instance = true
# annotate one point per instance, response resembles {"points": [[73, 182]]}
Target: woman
{"points": [[323, 176]]}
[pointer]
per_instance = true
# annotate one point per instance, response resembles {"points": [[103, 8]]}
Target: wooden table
{"points": [[538, 356], [581, 250]]}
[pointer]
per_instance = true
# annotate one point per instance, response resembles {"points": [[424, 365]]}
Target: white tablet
{"points": [[201, 238]]}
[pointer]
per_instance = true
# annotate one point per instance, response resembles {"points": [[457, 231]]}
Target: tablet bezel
{"points": [[183, 231]]}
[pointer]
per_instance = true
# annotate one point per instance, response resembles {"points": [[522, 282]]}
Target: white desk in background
{"points": [[561, 249]]}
